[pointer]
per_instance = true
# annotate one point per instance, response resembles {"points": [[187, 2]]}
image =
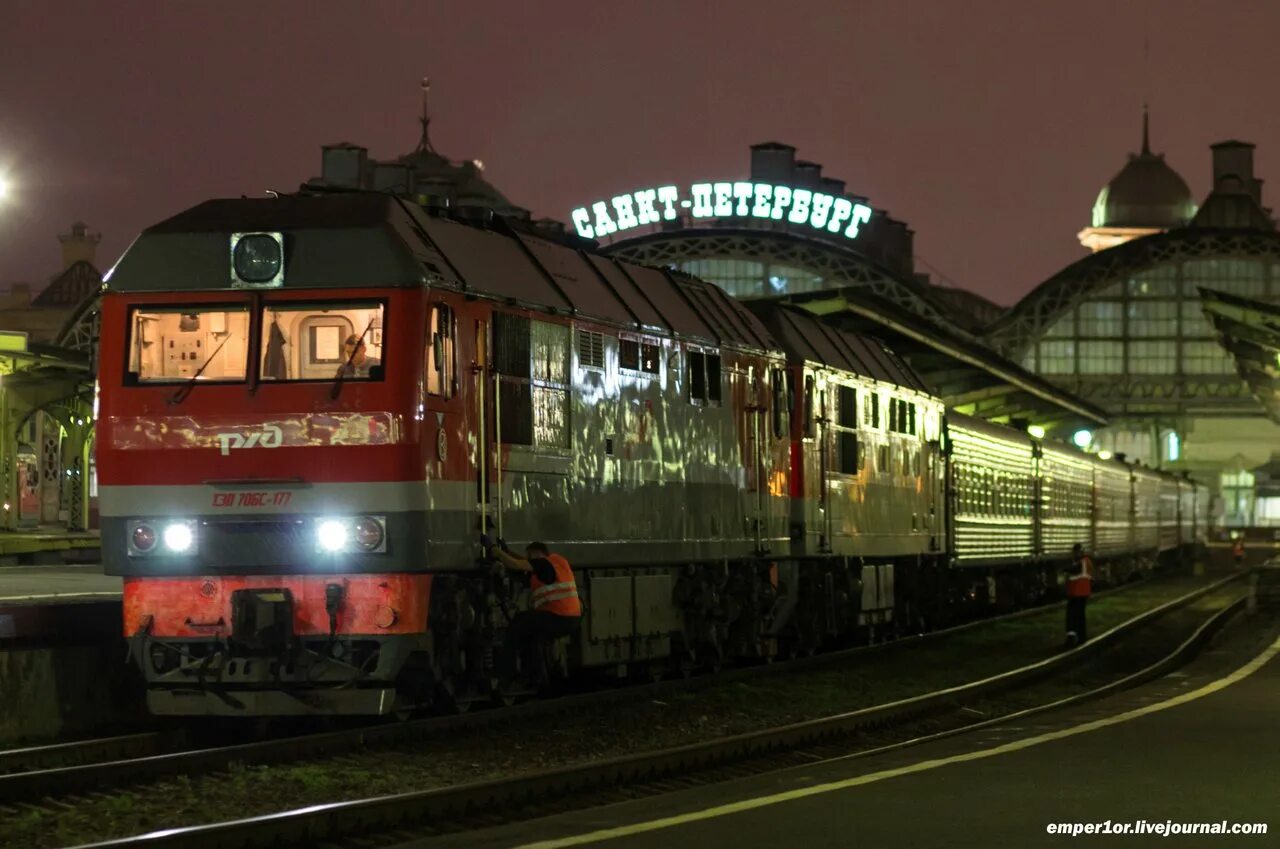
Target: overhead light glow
{"points": [[1104, 455], [1036, 431], [1082, 438]]}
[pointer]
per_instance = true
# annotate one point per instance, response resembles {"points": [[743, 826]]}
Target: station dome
{"points": [[1147, 193]]}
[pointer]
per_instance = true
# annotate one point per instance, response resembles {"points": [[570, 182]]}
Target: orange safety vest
{"points": [[1238, 548], [561, 597], [1080, 583]]}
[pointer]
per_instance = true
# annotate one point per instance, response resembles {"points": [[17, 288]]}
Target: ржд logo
{"points": [[270, 437]]}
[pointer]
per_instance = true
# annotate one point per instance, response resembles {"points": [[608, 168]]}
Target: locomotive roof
{"points": [[803, 336], [368, 239]]}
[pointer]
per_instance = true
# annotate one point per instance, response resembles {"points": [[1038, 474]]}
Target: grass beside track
{"points": [[871, 678]]}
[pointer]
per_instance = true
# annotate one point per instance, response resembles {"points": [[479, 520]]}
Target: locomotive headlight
{"points": [[142, 538], [332, 535], [369, 533], [336, 534], [257, 259], [178, 537]]}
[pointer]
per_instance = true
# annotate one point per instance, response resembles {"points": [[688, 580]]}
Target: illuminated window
{"points": [[1057, 357], [1235, 276], [442, 367], [1153, 357], [1205, 358], [1194, 323], [175, 344], [1153, 318], [320, 340], [1237, 497], [1100, 318], [1156, 283], [1101, 357]]}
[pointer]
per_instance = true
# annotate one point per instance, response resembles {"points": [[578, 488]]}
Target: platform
{"points": [[1207, 759], [24, 544], [44, 604]]}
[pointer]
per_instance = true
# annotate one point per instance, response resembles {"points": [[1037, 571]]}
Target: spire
{"points": [[1146, 144], [424, 144]]}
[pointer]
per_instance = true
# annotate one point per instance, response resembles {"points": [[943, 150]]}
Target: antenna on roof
{"points": [[424, 144]]}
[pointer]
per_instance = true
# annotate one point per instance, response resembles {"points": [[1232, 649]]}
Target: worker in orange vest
{"points": [[556, 609], [1079, 588], [1237, 550]]}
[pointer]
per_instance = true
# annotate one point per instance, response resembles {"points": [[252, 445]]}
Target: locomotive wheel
{"points": [[453, 696]]}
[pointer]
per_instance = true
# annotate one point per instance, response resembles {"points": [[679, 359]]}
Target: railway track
{"points": [[616, 778], [69, 768]]}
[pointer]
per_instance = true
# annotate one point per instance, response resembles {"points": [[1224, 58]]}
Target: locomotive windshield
{"points": [[300, 341], [322, 341], [174, 344]]}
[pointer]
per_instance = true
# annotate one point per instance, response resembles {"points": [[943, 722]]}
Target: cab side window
{"points": [[442, 352]]}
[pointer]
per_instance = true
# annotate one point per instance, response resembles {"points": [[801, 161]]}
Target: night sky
{"points": [[988, 126]]}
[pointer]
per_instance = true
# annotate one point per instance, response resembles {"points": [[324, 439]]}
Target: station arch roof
{"points": [[842, 267], [1026, 322]]}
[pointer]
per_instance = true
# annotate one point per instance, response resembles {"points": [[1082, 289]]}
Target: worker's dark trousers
{"points": [[1075, 618], [526, 632]]}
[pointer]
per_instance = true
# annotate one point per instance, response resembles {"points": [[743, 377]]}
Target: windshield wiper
{"points": [[342, 370], [184, 390]]}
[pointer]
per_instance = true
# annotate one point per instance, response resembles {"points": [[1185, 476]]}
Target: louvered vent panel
{"points": [[590, 349]]}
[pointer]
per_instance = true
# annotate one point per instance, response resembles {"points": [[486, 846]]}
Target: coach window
{"points": [[318, 341], [170, 344], [442, 352]]}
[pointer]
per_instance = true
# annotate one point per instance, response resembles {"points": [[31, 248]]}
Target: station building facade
{"points": [[46, 394], [1126, 327]]}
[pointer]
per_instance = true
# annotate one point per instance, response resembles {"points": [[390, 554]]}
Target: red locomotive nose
{"points": [[144, 538]]}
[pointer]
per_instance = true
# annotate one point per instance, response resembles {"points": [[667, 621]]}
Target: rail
{"points": [[449, 804]]}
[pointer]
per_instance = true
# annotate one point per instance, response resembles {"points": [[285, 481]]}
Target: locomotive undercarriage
{"points": [[215, 676], [645, 623]]}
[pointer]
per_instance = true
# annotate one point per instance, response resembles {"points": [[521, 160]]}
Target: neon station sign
{"points": [[766, 201]]}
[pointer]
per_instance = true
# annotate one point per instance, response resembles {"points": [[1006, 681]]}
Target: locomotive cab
{"points": [[262, 491]]}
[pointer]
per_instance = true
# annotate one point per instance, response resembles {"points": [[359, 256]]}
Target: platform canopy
{"points": [[1250, 331], [970, 377]]}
